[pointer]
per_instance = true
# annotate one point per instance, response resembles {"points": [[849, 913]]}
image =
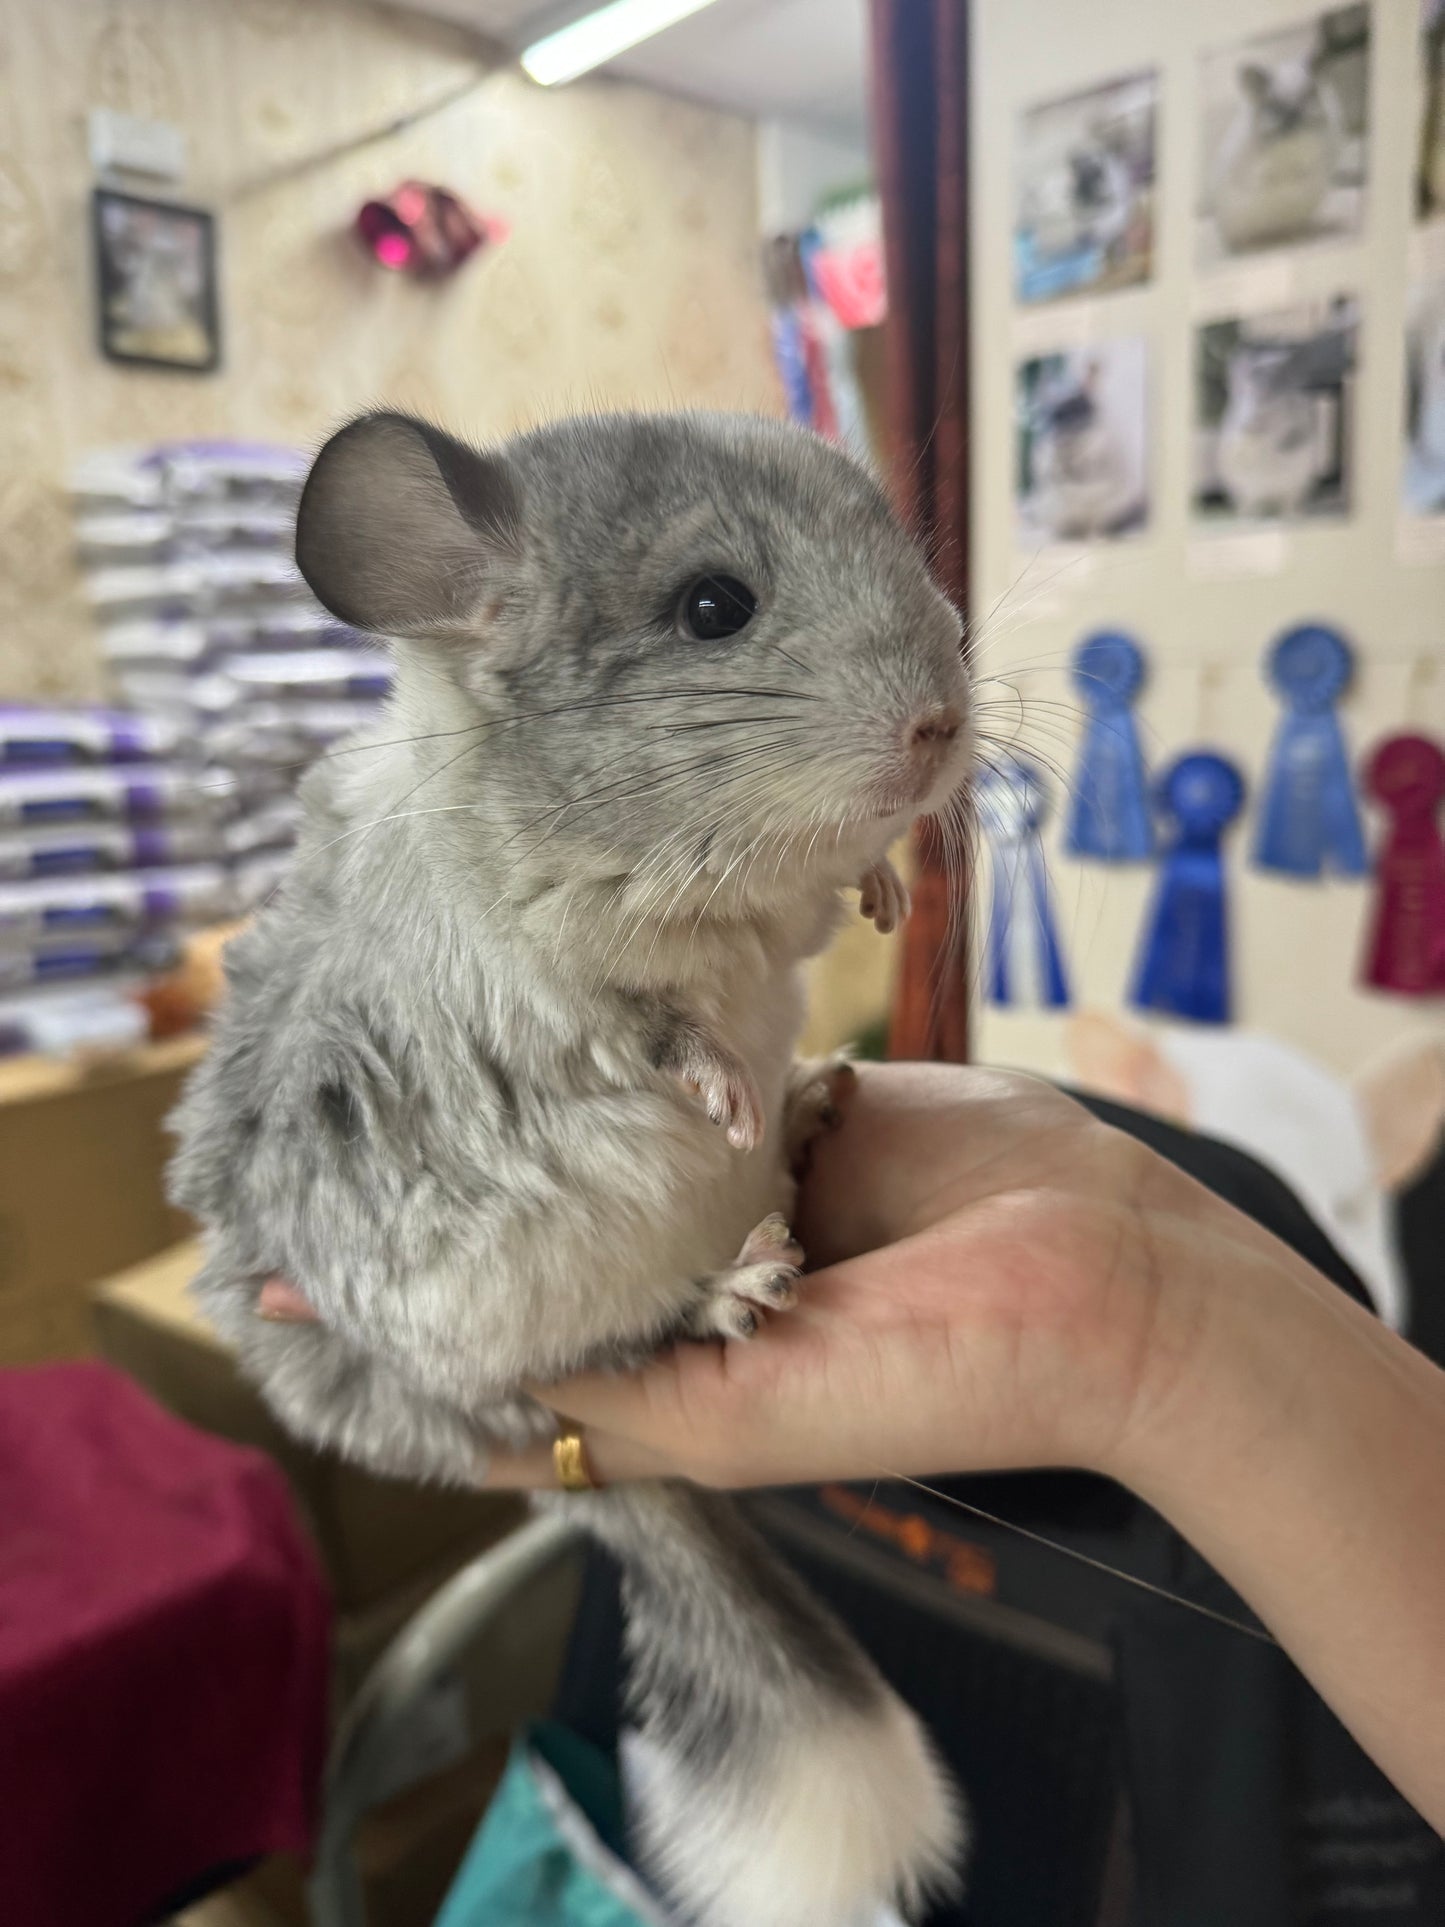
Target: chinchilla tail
{"points": [[781, 1782]]}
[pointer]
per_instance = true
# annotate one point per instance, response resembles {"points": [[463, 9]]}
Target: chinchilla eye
{"points": [[716, 606]]}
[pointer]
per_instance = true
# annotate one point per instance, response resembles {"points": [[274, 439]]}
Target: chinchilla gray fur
{"points": [[504, 1078]]}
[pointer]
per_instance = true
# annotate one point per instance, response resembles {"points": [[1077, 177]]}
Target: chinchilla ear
{"points": [[402, 530]]}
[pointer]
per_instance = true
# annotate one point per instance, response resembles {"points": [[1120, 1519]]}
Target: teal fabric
{"points": [[549, 1851]]}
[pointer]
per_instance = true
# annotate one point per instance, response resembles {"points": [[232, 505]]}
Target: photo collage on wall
{"points": [[1081, 444], [1285, 186], [1084, 225], [1423, 482], [1272, 430], [1284, 138], [1430, 166], [1085, 184], [1422, 479], [1283, 164]]}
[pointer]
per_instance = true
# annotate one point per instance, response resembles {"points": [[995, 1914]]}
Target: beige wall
{"points": [[631, 275], [1296, 946]]}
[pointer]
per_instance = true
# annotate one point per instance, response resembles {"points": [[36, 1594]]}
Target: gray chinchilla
{"points": [[504, 1079]]}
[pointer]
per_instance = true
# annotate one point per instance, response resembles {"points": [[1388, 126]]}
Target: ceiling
{"points": [[799, 60]]}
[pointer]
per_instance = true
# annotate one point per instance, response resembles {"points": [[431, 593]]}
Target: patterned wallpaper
{"points": [[630, 277]]}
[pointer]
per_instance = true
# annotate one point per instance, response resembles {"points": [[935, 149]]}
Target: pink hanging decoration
{"points": [[850, 280], [1406, 951]]}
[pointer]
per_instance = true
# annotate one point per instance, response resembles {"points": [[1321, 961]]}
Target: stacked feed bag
{"points": [[204, 621], [112, 846]]}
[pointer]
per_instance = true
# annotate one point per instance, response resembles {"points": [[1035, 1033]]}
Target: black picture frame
{"points": [[156, 299]]}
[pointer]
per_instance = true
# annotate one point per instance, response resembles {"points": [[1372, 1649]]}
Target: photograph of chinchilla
{"points": [[503, 1082], [1284, 137]]}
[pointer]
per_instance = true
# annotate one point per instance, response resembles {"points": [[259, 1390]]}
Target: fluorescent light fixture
{"points": [[599, 36]]}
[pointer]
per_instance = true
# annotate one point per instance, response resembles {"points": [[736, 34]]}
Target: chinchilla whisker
{"points": [[1057, 743], [751, 854], [716, 722], [685, 834], [490, 724], [1085, 1559], [1041, 733], [983, 710], [393, 816], [796, 661], [359, 829], [679, 777], [648, 699], [432, 775], [666, 916], [670, 775], [979, 631], [744, 754], [1043, 756], [748, 851], [664, 870], [976, 625], [614, 792], [946, 961], [1050, 705]]}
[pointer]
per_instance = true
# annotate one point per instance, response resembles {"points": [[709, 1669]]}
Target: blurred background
{"points": [[1140, 314]]}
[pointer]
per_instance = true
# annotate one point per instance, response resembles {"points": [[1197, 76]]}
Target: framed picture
{"points": [[1430, 149], [1272, 405], [1084, 191], [156, 282], [1423, 480], [1284, 137], [1082, 457]]}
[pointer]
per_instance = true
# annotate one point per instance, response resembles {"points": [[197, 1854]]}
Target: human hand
{"points": [[1009, 1283], [1006, 1282]]}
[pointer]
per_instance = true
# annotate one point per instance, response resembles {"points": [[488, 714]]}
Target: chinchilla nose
{"points": [[931, 731]]}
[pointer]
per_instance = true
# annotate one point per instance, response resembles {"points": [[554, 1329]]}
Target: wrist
{"points": [[1232, 1375]]}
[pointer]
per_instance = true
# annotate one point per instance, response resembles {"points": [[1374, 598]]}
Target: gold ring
{"points": [[569, 1457]]}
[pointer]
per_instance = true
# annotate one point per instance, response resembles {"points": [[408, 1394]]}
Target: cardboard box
{"points": [[377, 1536], [82, 1157]]}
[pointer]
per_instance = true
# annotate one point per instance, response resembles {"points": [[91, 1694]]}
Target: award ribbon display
{"points": [[1184, 967], [1110, 818], [1025, 965], [1405, 951], [1308, 817]]}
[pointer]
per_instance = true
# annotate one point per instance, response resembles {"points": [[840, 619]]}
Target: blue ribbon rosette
{"points": [[1309, 820], [1184, 967], [1110, 816], [1025, 965]]}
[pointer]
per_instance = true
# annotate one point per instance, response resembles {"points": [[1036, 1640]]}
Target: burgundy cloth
{"points": [[920, 120], [164, 1634]]}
